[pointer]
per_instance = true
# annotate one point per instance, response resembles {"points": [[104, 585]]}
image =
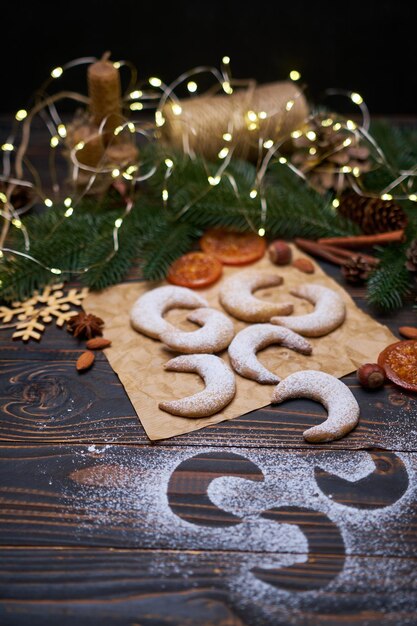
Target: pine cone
{"points": [[411, 263], [372, 214], [356, 270], [85, 325], [324, 159]]}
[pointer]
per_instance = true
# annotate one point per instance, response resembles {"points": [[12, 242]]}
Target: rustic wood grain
{"points": [[44, 587], [130, 496]]}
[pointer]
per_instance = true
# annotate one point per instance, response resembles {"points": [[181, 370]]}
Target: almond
{"points": [[98, 343], [304, 265], [85, 360], [410, 332]]}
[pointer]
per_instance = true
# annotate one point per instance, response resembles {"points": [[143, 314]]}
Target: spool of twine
{"points": [[105, 94], [280, 108]]}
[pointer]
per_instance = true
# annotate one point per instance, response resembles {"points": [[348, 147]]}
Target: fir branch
{"points": [[170, 240], [390, 282]]}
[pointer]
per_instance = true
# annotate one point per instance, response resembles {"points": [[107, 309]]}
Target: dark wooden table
{"points": [[238, 523]]}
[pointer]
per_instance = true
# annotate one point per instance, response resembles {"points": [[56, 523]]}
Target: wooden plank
{"points": [[214, 499], [47, 400], [44, 587]]}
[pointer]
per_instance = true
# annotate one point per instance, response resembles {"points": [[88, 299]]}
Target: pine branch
{"points": [[390, 282]]}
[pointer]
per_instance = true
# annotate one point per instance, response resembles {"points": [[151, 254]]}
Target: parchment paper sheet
{"points": [[138, 359]]}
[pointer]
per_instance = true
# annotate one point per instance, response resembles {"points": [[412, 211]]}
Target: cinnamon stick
{"points": [[316, 249], [349, 254], [359, 241]]}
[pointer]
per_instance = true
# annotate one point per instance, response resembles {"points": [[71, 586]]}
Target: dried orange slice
{"points": [[399, 361], [195, 270], [233, 248]]}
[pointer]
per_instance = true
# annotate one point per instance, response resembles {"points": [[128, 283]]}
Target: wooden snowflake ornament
{"points": [[42, 308]]}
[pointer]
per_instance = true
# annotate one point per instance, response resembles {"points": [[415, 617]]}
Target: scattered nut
{"points": [[85, 360], [279, 252], [409, 332], [371, 375], [98, 343], [304, 265]]}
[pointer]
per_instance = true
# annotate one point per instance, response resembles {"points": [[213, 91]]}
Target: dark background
{"points": [[367, 46]]}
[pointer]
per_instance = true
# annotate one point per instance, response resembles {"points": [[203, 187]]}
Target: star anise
{"points": [[85, 325]]}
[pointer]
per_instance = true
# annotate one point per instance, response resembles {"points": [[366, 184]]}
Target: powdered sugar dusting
{"points": [[218, 378], [215, 335], [337, 398], [242, 350], [329, 313], [147, 313], [236, 296]]}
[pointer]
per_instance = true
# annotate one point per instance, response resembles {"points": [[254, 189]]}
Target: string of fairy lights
{"points": [[154, 94]]}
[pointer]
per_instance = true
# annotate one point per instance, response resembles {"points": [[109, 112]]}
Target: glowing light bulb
{"points": [[296, 134], [131, 169], [115, 173], [62, 131], [55, 270], [176, 109], [118, 222], [227, 137], [67, 202], [412, 197], [268, 144], [127, 176], [251, 115], [117, 65], [80, 145], [192, 86], [252, 126], [327, 122], [337, 127], [169, 162], [335, 203], [159, 119], [346, 169], [69, 212], [214, 180], [253, 193], [289, 105], [17, 223], [261, 232], [155, 82], [7, 147], [262, 115], [312, 151], [356, 171], [226, 60], [350, 125], [223, 153], [347, 142], [356, 97], [227, 88], [165, 195], [3, 197], [282, 160], [131, 127], [137, 93], [118, 130], [311, 135], [48, 202], [386, 196], [54, 141], [21, 114], [57, 72], [295, 75], [136, 106]]}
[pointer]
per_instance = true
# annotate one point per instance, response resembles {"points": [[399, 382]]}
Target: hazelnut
{"points": [[280, 252], [371, 375]]}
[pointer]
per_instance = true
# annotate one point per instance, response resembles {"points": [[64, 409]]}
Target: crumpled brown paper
{"points": [[138, 360]]}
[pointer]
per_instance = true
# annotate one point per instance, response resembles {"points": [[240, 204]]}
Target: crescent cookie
{"points": [[147, 313], [236, 297], [336, 397], [243, 349], [215, 334], [329, 312], [220, 386]]}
